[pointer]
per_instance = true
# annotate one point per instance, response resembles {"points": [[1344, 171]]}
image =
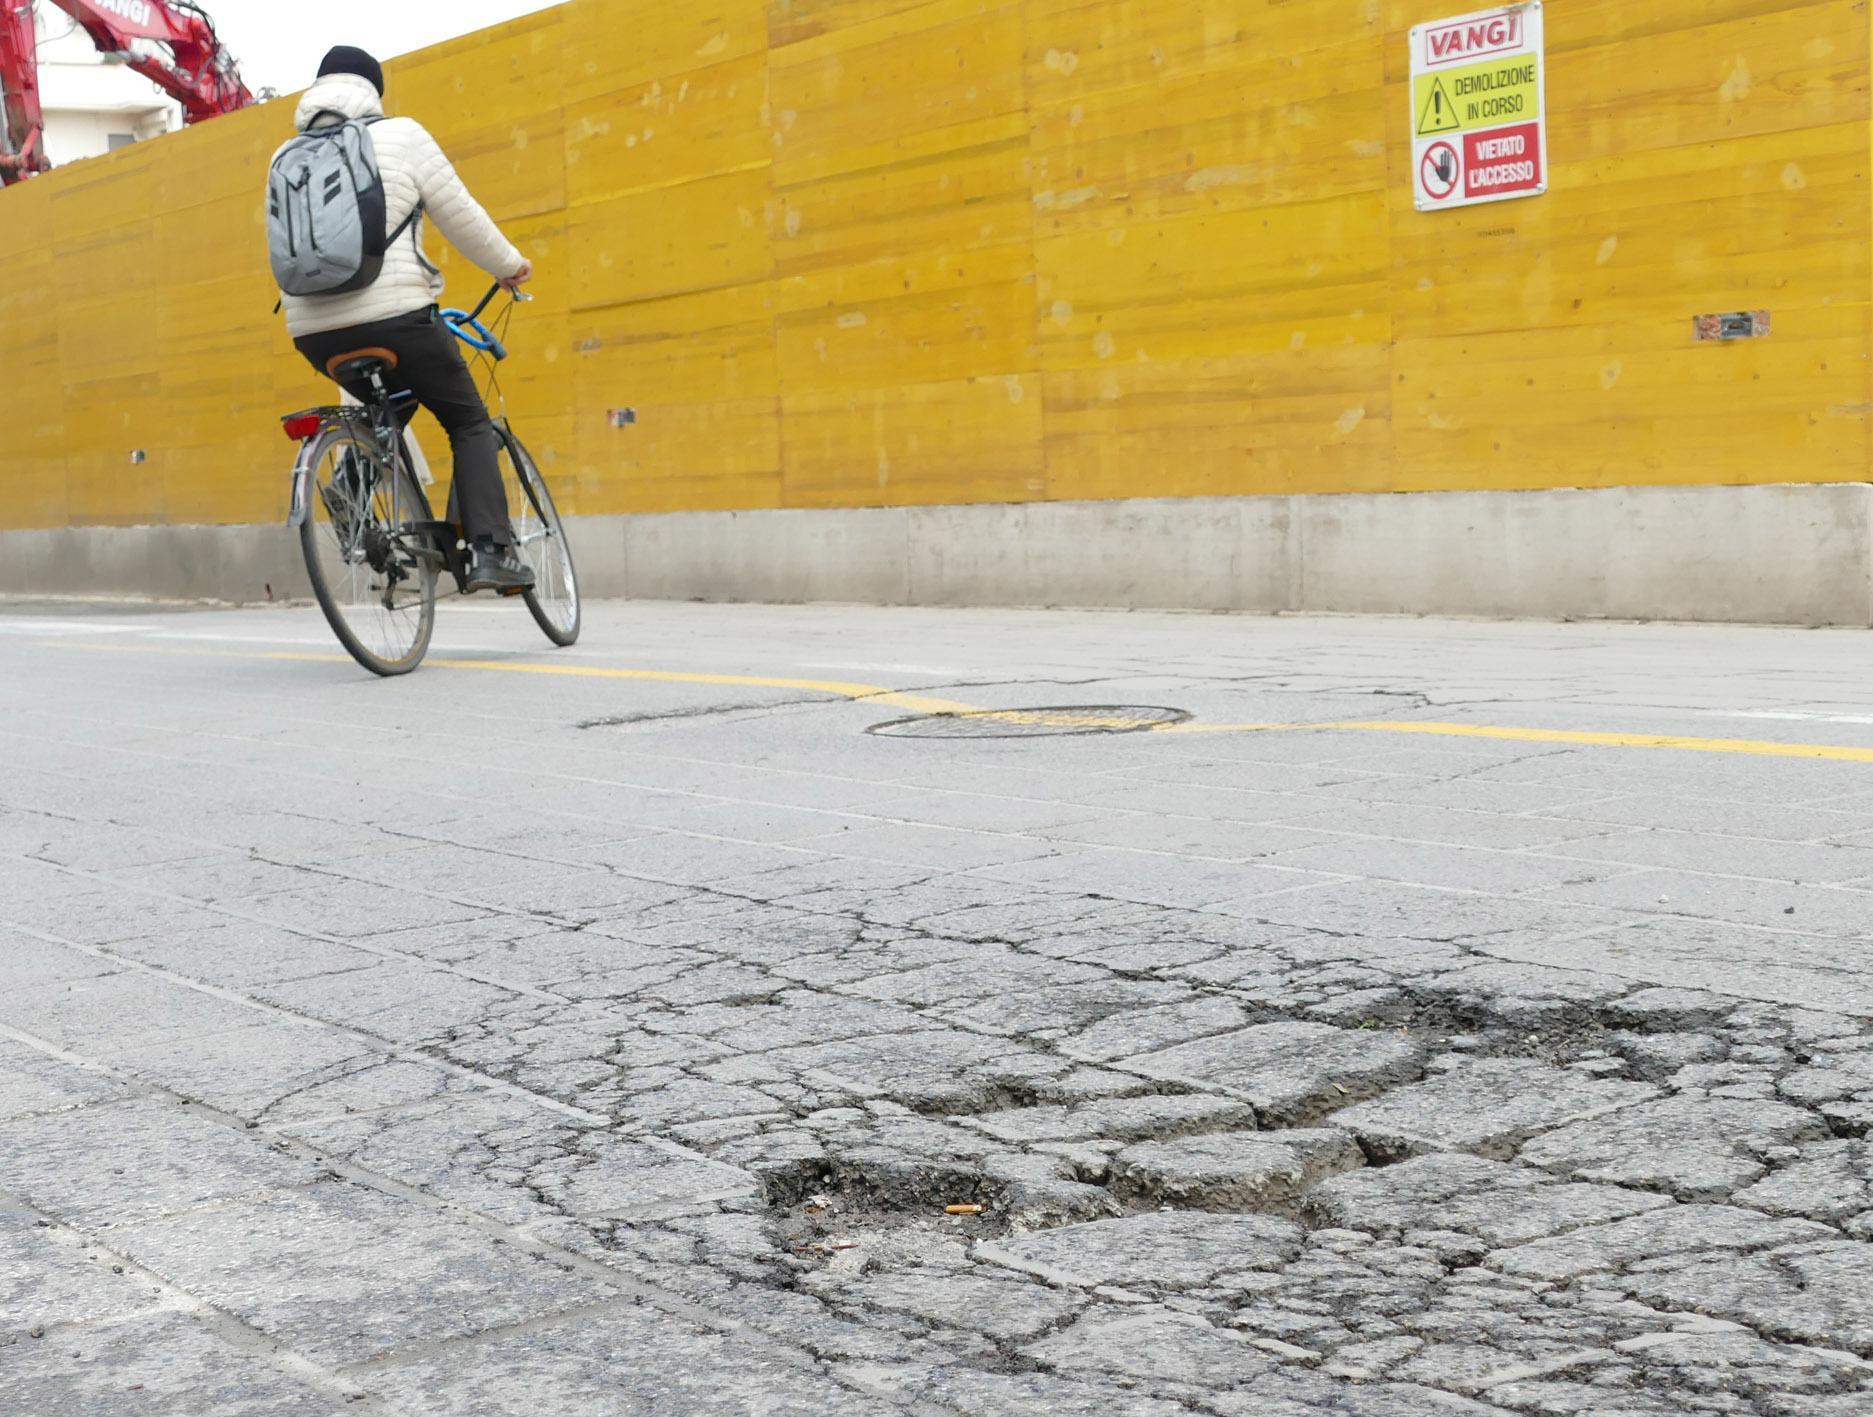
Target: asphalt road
{"points": [[1415, 1017]]}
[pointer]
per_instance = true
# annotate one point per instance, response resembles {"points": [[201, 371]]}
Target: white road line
{"points": [[45, 628], [1790, 716]]}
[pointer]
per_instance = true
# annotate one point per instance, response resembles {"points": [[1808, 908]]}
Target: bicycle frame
{"points": [[376, 423], [424, 539], [347, 451]]}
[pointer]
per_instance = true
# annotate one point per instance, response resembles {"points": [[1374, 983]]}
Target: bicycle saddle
{"points": [[359, 364]]}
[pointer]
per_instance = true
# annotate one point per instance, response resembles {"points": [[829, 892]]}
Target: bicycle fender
{"points": [[301, 475], [301, 505], [296, 514]]}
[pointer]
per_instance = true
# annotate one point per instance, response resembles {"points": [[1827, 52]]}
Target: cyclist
{"points": [[398, 311]]}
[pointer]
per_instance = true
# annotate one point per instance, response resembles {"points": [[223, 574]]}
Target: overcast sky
{"points": [[279, 45]]}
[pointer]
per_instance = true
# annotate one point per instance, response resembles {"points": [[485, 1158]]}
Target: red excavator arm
{"points": [[20, 121], [196, 70]]}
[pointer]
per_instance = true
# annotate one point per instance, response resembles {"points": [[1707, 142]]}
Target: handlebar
{"points": [[466, 325]]}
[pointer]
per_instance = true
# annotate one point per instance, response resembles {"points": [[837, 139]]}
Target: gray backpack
{"points": [[326, 211]]}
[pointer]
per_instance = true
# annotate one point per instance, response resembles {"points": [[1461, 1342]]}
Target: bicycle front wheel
{"points": [[540, 540], [378, 593]]}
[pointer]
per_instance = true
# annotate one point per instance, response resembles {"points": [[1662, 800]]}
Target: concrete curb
{"points": [[1786, 554]]}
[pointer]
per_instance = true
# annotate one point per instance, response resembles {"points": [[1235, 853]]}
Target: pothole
{"points": [[824, 1205], [1056, 721], [1242, 1173]]}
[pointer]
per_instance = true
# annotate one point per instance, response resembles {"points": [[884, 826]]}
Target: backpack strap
{"points": [[409, 224], [405, 224]]}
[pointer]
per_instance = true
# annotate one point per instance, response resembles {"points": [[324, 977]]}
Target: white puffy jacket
{"points": [[413, 169]]}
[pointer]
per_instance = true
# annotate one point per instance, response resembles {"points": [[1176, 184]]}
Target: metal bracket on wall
{"points": [[1738, 324]]}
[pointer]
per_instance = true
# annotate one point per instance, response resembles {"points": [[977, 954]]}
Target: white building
{"points": [[92, 105]]}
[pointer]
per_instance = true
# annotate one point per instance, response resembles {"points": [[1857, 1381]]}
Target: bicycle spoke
{"points": [[377, 594], [539, 539]]}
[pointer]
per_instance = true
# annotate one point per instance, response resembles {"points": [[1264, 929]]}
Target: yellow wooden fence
{"points": [[869, 252]]}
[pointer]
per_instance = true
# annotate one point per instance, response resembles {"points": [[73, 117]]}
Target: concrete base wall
{"points": [[1785, 555]]}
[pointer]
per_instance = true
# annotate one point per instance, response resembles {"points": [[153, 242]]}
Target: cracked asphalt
{"points": [[628, 1030]]}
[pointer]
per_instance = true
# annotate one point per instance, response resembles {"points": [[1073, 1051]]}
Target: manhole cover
{"points": [[1059, 721]]}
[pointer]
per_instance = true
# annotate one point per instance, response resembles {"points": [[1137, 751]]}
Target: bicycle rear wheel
{"points": [[540, 541], [378, 594]]}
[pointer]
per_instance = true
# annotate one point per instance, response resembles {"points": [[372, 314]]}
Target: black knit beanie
{"points": [[348, 59]]}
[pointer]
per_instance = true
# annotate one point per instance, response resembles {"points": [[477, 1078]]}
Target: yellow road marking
{"points": [[1232, 727], [1743, 746], [923, 703], [1747, 747], [836, 688]]}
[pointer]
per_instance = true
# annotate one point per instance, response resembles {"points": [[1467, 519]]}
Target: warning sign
{"points": [[1501, 91], [1438, 171], [1480, 76], [1503, 162], [1438, 114]]}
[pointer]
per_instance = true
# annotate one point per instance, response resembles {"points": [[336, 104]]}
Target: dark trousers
{"points": [[430, 365]]}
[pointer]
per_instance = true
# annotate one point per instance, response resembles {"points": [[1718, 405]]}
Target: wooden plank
{"points": [[791, 21], [971, 191], [965, 440], [864, 23], [196, 485], [618, 44], [221, 162], [1194, 285], [922, 319], [711, 346], [1767, 74], [1314, 419], [483, 100], [32, 448], [1200, 167], [703, 234], [680, 457], [660, 134], [849, 103], [108, 419], [35, 480], [102, 196]]}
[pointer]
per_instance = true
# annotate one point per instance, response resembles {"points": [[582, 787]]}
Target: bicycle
{"points": [[374, 549]]}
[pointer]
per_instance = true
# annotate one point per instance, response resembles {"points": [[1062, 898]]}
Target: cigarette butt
{"points": [[964, 1209]]}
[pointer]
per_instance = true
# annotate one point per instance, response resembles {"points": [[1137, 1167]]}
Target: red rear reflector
{"points": [[302, 426]]}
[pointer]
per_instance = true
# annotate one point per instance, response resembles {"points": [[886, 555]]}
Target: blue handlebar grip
{"points": [[460, 323]]}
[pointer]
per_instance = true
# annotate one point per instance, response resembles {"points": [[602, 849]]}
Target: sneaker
{"points": [[492, 567]]}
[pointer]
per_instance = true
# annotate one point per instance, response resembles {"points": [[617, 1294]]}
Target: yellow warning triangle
{"points": [[1440, 115]]}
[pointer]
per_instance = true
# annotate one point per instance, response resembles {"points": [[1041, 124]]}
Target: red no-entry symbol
{"points": [[1439, 170]]}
